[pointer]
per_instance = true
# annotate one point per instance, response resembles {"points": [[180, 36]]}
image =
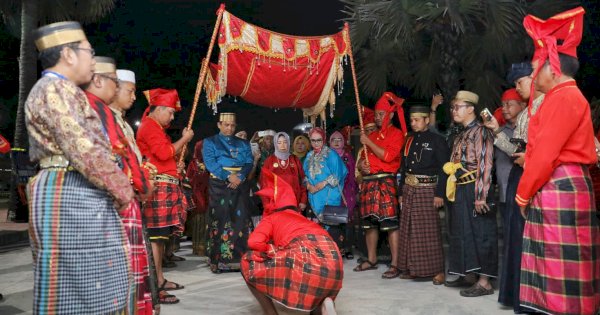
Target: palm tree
{"points": [[441, 45], [23, 17]]}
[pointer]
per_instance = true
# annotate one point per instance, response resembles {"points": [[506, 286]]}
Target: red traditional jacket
{"points": [[155, 145], [560, 132], [292, 173], [392, 141]]}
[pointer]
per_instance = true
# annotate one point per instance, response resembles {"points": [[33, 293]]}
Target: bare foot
{"points": [[328, 308]]}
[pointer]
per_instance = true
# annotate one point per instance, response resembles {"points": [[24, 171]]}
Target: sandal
{"points": [[172, 257], [406, 276], [371, 266], [391, 273], [177, 286], [439, 279], [166, 298]]}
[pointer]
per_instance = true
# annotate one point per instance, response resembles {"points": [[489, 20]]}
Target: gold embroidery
{"points": [[84, 145]]}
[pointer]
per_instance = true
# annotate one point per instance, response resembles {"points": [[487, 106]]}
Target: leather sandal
{"points": [[476, 290], [166, 298], [439, 279], [177, 286], [391, 273], [406, 276], [370, 266]]}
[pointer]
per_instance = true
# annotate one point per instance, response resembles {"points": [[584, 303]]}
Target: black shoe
{"points": [[349, 255], [168, 264], [460, 282]]}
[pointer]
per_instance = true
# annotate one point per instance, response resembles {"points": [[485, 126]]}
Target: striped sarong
{"points": [[301, 275], [560, 264], [80, 251], [421, 253], [141, 301]]}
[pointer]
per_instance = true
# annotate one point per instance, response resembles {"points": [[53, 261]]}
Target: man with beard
{"points": [[229, 161]]}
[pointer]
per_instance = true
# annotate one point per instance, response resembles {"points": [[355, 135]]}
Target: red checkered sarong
{"points": [[560, 264], [166, 207], [421, 252], [132, 222], [300, 276], [378, 198]]}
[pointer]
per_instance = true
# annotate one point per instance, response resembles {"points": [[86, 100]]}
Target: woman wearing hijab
{"points": [[291, 260], [287, 166], [325, 174], [337, 143], [300, 147]]}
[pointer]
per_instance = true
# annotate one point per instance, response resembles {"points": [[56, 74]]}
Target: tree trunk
{"points": [[27, 78], [448, 40]]}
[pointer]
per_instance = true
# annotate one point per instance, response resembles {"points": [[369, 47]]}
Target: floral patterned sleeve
{"points": [[60, 121]]}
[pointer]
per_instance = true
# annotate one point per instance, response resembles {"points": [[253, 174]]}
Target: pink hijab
{"points": [[337, 134]]}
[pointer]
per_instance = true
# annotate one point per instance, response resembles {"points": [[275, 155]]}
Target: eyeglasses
{"points": [[90, 50], [316, 140], [115, 80], [337, 140], [457, 107]]}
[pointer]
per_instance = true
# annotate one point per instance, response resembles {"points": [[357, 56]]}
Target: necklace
{"points": [[284, 163]]}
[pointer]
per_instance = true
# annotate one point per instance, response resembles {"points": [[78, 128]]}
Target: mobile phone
{"points": [[519, 143], [486, 114]]}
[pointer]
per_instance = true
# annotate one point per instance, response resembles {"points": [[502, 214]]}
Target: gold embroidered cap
{"points": [[419, 111], [467, 96], [57, 34], [105, 65], [227, 117]]}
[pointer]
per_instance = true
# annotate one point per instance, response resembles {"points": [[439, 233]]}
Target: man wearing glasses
{"points": [[472, 225], [79, 249]]}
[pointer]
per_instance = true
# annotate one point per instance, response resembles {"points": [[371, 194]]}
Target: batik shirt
{"points": [[128, 131], [60, 121], [474, 149], [503, 141]]}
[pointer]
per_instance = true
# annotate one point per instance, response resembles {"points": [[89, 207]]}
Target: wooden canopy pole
{"points": [[203, 71], [358, 106]]}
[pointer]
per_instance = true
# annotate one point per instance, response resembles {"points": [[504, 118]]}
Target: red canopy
{"points": [[276, 70]]}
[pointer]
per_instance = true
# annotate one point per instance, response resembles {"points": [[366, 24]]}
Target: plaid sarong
{"points": [[300, 276], [80, 250], [378, 198], [560, 264], [140, 295], [166, 207], [421, 252]]}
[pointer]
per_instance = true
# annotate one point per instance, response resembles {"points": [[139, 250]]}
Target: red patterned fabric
{"points": [[199, 177], [275, 70], [560, 265], [293, 174], [378, 198], [166, 207]]}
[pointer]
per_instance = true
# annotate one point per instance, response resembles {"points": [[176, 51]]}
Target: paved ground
{"points": [[206, 293]]}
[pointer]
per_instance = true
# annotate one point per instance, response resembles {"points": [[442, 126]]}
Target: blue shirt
{"points": [[325, 166], [221, 151]]}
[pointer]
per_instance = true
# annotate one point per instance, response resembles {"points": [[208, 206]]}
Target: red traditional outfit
{"points": [[291, 259], [167, 206], [199, 177], [131, 216], [377, 199], [4, 145], [560, 269]]}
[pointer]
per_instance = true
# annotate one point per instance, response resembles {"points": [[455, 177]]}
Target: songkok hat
{"points": [[105, 65], [466, 96], [229, 117], [162, 97], [126, 75], [511, 95], [57, 34], [559, 34], [419, 111], [390, 103], [518, 70]]}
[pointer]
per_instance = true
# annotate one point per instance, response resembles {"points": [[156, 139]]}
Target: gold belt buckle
{"points": [[412, 180]]}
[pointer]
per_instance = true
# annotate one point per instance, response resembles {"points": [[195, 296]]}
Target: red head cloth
{"points": [[390, 103], [368, 116], [559, 34], [499, 116], [4, 145], [276, 193], [162, 97], [511, 95]]}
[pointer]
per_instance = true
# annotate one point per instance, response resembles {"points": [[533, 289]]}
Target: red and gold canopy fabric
{"points": [[274, 70]]}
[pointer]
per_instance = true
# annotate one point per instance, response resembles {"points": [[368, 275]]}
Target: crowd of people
{"points": [[109, 205]]}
